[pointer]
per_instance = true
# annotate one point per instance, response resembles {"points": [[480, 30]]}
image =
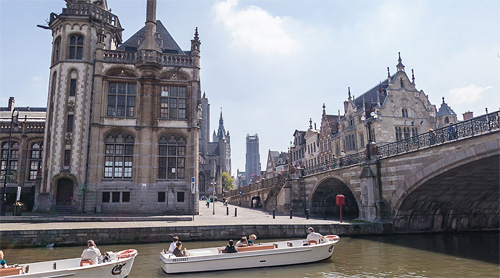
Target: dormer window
{"points": [[404, 113], [76, 47]]}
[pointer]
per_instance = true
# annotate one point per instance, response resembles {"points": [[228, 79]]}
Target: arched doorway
{"points": [[324, 200], [64, 195]]}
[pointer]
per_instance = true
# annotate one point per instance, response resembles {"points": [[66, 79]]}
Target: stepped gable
{"points": [[168, 44]]}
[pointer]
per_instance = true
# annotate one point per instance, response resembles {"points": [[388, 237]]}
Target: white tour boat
{"points": [[259, 255], [117, 264]]}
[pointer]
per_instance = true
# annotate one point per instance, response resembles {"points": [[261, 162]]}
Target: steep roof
{"points": [[370, 97], [445, 110], [168, 44]]}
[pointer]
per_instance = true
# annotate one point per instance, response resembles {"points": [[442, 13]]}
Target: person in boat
{"points": [[251, 239], [173, 245], [3, 263], [178, 252], [230, 248], [242, 242], [312, 236], [92, 253]]}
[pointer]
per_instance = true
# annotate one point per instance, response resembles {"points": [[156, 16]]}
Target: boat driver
{"points": [[312, 236], [92, 253]]}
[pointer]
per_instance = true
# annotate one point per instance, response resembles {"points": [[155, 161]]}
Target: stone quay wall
{"points": [[104, 236]]}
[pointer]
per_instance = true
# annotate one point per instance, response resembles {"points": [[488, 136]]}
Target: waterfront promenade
{"points": [[33, 229]]}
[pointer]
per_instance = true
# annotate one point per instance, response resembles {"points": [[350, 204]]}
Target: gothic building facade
{"points": [[122, 128], [394, 109], [215, 155]]}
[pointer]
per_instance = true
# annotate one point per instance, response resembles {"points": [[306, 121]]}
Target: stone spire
{"points": [[221, 133], [400, 65], [150, 30]]}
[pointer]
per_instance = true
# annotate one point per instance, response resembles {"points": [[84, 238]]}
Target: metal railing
{"points": [[474, 127]]}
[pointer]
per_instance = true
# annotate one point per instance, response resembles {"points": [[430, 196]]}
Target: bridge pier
{"points": [[371, 205]]}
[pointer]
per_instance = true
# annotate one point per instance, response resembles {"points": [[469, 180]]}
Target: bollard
{"points": [[324, 214], [274, 214], [290, 213], [235, 212], [227, 210], [307, 213]]}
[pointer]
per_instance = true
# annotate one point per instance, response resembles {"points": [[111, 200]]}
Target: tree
{"points": [[227, 181]]}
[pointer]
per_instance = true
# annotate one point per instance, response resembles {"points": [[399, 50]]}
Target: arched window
{"points": [[35, 159], [76, 47], [119, 156], [57, 50], [12, 159], [172, 158], [446, 120]]}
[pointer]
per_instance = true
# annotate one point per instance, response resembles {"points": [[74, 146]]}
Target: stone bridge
{"points": [[433, 182]]}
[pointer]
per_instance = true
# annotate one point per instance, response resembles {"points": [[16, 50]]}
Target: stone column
{"points": [[368, 182]]}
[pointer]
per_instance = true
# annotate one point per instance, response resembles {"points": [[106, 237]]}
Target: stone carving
{"points": [[71, 106], [68, 137]]}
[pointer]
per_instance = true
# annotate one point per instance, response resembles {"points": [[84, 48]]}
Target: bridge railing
{"points": [[476, 126], [462, 130]]}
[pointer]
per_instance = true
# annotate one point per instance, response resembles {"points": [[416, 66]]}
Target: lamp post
{"points": [[369, 119], [213, 199], [13, 119]]}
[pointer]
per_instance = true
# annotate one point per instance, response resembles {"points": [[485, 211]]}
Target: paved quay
{"points": [[41, 229], [207, 217]]}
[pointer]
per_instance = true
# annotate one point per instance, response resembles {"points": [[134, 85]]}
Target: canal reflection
{"points": [[422, 255]]}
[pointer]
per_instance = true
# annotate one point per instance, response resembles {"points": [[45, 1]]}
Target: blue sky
{"points": [[271, 65]]}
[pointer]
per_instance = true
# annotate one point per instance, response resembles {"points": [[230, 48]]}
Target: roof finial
{"points": [[349, 92], [196, 38], [443, 100], [310, 123], [413, 76], [388, 74], [400, 65], [324, 106]]}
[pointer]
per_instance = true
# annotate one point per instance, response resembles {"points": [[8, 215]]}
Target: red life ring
{"points": [[126, 253], [312, 242], [332, 237]]}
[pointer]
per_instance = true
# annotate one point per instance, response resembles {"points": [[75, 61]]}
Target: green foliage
{"points": [[227, 181]]}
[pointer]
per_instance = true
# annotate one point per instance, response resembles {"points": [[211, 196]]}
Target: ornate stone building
{"points": [[215, 156], [122, 129], [24, 155], [394, 109]]}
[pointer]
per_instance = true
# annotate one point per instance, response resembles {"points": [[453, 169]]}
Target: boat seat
{"points": [[16, 270], [255, 248]]}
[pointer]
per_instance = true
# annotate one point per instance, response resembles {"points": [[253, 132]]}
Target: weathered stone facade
{"points": [[122, 117], [26, 150]]}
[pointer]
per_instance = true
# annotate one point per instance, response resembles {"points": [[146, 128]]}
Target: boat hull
{"points": [[119, 268], [284, 253]]}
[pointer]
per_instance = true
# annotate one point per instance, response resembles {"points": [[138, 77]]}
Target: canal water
{"points": [[422, 255]]}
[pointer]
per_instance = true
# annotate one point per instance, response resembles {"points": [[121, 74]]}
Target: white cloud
{"points": [[256, 29], [469, 94]]}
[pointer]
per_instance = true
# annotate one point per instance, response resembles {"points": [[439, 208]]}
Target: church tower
{"points": [[123, 117]]}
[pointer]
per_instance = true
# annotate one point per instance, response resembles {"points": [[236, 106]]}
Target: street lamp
{"points": [[13, 120], [213, 198], [369, 119]]}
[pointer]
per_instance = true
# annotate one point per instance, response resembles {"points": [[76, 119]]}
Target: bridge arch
{"points": [[323, 198], [459, 191]]}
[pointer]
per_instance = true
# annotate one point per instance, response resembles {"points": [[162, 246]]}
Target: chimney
{"points": [[11, 104], [468, 115]]}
